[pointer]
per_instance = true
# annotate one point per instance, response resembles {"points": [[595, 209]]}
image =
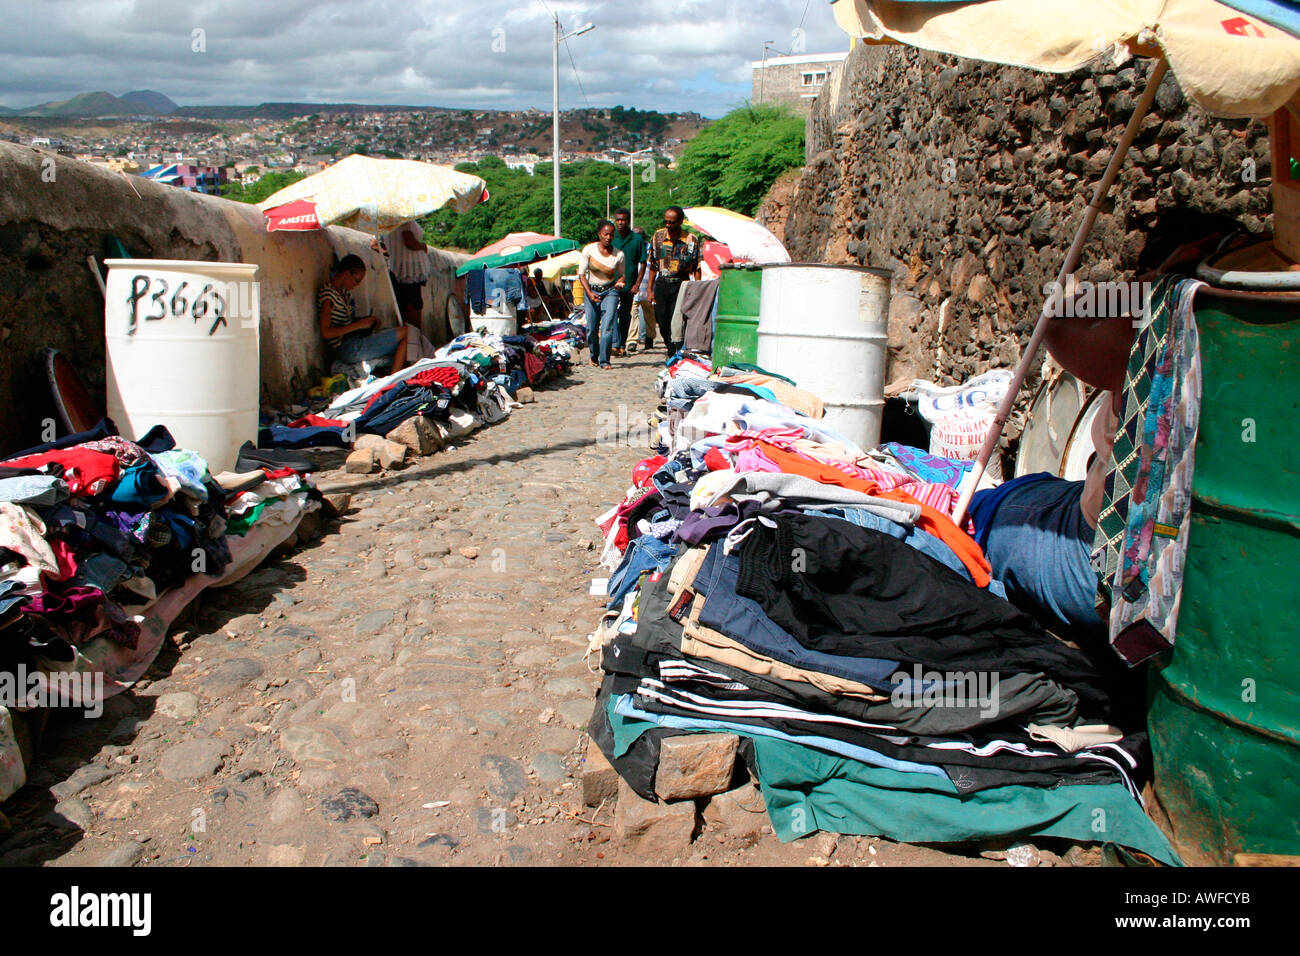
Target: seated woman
{"points": [[351, 339]]}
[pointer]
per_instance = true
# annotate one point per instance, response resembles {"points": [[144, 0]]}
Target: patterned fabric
{"points": [[676, 259], [127, 453], [1141, 540], [804, 402], [927, 467]]}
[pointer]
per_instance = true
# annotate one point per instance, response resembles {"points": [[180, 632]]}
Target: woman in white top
{"points": [[600, 270]]}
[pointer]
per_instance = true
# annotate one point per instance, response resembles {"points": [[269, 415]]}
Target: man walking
{"points": [[674, 258], [632, 245]]}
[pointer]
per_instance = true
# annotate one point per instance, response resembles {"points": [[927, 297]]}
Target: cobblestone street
{"points": [[408, 689]]}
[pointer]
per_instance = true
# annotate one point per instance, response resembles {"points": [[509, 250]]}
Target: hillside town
{"points": [[242, 149]]}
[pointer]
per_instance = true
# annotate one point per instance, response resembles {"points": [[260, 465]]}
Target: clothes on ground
{"points": [[774, 581]]}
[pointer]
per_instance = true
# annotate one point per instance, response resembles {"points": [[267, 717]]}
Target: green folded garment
{"points": [[809, 790]]}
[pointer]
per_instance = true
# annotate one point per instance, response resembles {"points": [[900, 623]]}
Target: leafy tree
{"points": [[522, 203], [267, 186], [734, 161]]}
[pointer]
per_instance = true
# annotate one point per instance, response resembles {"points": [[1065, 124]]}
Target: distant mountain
{"points": [[86, 104], [150, 101]]}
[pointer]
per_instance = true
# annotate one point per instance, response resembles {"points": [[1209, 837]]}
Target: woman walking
{"points": [[600, 270]]}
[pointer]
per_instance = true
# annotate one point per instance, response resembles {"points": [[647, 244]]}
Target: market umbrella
{"points": [[745, 237], [713, 255], [376, 195], [1234, 59], [515, 248], [299, 215], [553, 267]]}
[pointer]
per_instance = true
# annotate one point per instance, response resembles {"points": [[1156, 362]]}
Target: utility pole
{"points": [[631, 180], [560, 37], [762, 72]]}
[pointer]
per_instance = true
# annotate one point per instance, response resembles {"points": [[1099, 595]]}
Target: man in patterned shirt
{"points": [[674, 258]]}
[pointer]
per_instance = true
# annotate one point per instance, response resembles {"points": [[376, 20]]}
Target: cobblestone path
{"points": [[409, 689]]}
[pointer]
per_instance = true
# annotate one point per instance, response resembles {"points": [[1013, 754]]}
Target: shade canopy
{"points": [[515, 249], [1239, 59], [378, 195], [745, 237]]}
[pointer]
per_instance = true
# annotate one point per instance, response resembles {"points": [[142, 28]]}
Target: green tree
{"points": [[267, 186], [522, 203], [734, 161]]}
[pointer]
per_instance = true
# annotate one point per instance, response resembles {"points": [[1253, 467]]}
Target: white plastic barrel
{"points": [[827, 328], [182, 351]]}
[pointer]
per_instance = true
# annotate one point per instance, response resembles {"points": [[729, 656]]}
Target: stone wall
{"points": [[967, 180], [53, 217]]}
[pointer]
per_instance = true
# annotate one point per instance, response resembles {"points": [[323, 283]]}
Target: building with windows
{"points": [[793, 81]]}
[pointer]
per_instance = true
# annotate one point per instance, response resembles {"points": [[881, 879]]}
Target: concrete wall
{"points": [[55, 211], [967, 180], [780, 79]]}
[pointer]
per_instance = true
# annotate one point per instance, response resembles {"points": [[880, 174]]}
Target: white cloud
{"points": [[666, 54]]}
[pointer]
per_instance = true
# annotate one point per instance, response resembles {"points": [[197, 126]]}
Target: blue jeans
{"points": [[1039, 544], [368, 348], [601, 340], [643, 554]]}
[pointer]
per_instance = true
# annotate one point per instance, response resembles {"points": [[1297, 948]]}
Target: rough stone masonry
{"points": [[967, 180]]}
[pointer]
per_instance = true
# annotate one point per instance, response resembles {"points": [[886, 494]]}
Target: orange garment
{"points": [[932, 521]]}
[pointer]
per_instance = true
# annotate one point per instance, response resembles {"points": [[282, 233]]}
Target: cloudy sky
{"points": [[660, 54]]}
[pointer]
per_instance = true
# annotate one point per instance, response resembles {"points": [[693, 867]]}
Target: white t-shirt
{"points": [[601, 270], [409, 265]]}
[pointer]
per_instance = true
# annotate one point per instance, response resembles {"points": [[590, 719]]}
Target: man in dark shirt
{"points": [[674, 258], [632, 245]]}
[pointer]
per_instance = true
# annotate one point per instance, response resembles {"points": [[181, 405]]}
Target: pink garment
{"points": [[66, 558]]}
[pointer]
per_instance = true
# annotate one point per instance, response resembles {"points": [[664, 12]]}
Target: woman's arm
{"points": [[328, 331]]}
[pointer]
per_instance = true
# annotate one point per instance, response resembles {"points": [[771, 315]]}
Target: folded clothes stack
{"points": [[774, 581]]}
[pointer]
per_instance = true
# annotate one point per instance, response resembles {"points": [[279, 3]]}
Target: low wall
{"points": [[55, 211]]}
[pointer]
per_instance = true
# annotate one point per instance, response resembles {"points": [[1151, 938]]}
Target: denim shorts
{"points": [[368, 348], [1039, 545]]}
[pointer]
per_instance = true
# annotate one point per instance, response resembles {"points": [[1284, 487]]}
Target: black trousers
{"points": [[666, 292]]}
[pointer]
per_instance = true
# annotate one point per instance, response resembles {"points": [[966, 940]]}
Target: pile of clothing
{"points": [[469, 382], [103, 541], [774, 581]]}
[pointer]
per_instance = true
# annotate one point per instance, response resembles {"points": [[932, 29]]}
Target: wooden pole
{"points": [[1067, 268]]}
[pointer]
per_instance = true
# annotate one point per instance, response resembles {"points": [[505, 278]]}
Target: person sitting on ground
{"points": [[600, 270], [1038, 530], [553, 303], [351, 339]]}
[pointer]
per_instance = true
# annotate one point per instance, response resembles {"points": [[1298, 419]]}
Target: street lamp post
{"points": [[560, 37], [608, 190], [631, 180]]}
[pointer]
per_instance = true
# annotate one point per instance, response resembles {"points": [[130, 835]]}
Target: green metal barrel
{"points": [[1224, 710], [735, 332]]}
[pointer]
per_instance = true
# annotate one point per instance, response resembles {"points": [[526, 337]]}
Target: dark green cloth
{"points": [[808, 790], [633, 248]]}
